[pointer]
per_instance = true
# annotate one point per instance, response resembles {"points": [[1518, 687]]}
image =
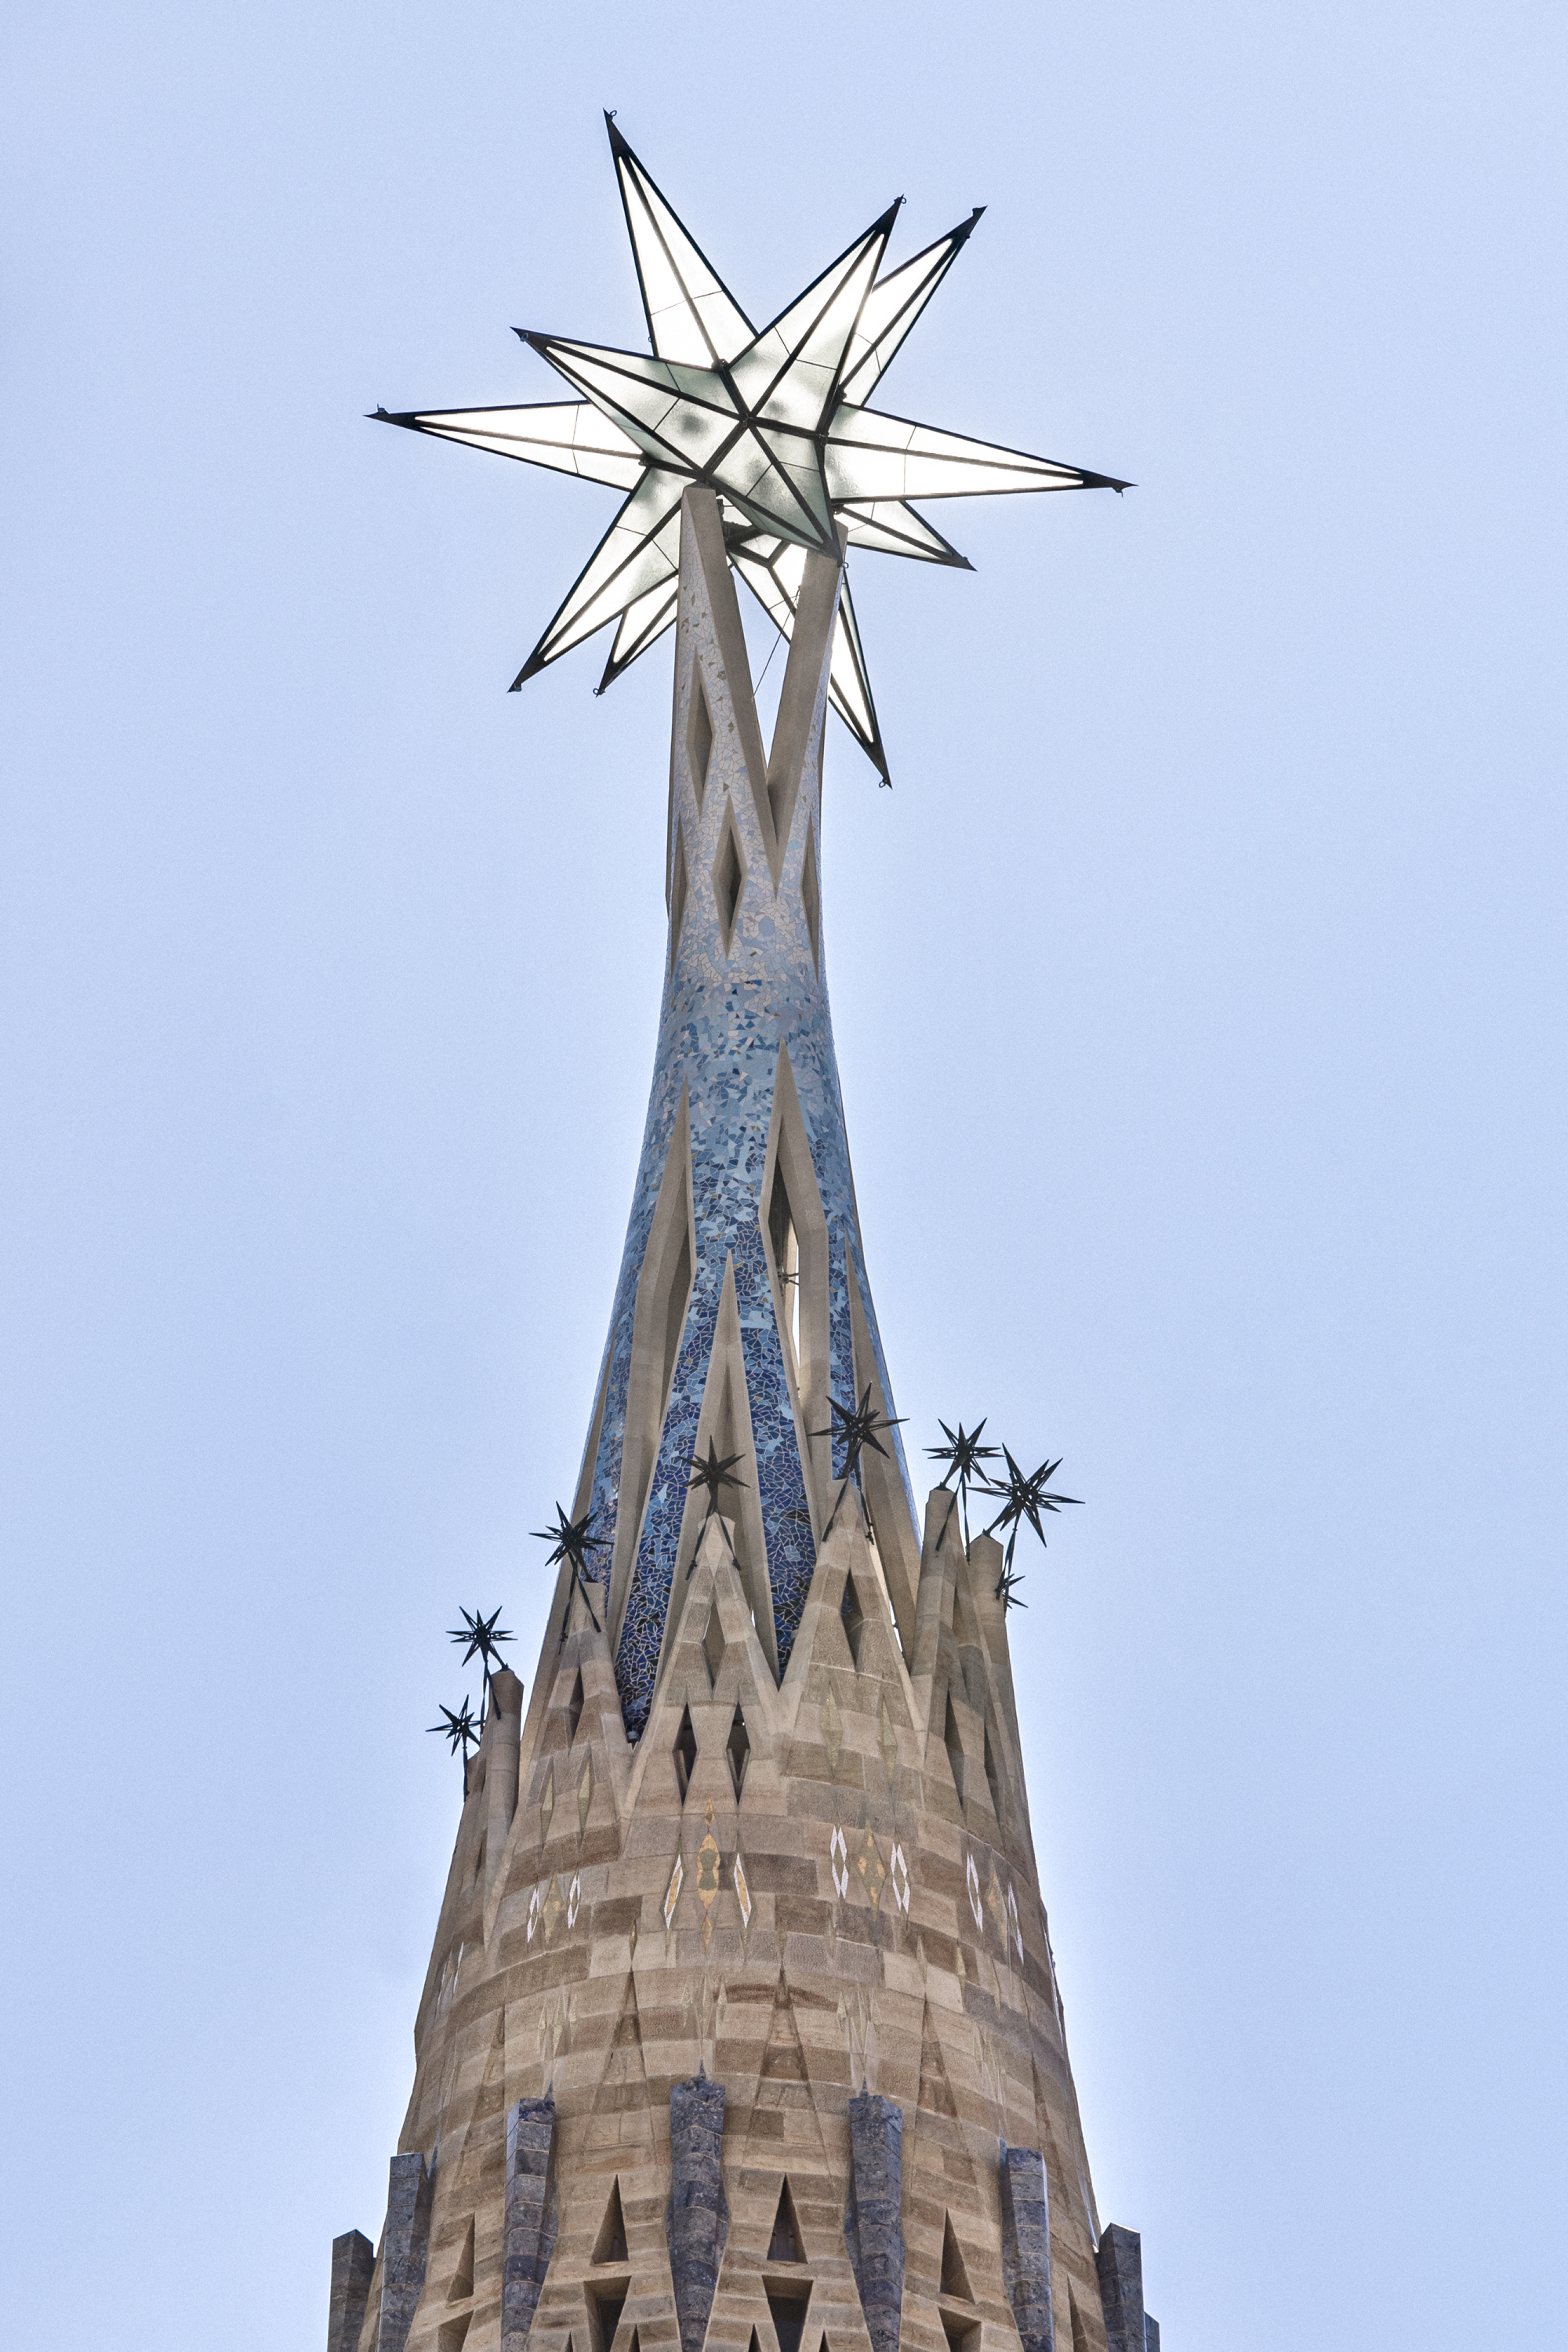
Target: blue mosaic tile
{"points": [[724, 1018]]}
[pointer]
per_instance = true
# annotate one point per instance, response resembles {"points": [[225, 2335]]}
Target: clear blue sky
{"points": [[1199, 1000]]}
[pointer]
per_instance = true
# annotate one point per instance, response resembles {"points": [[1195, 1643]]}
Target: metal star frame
{"points": [[774, 420], [483, 1637], [572, 1542], [715, 1472], [858, 1425], [1025, 1495], [963, 1454], [461, 1731]]}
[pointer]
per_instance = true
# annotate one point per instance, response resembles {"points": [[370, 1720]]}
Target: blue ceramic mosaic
{"points": [[724, 1017]]}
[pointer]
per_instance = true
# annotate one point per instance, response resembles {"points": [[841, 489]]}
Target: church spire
{"points": [[741, 2029], [742, 1308]]}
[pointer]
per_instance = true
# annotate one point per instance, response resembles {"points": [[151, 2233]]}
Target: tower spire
{"points": [[742, 2030], [743, 1307]]}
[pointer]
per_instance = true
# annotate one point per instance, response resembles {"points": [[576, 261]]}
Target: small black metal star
{"points": [[1007, 1585], [461, 1731], [483, 1637], [963, 1454], [572, 1541], [858, 1425], [1025, 1495], [713, 1474]]}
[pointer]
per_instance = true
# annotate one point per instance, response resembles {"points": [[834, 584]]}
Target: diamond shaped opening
{"points": [[786, 1260], [854, 1619], [784, 2244], [738, 1747], [698, 737], [787, 2306], [453, 2334], [963, 2334], [676, 894], [811, 897], [713, 1645], [954, 1747], [610, 2246], [685, 1752], [955, 2278], [574, 1708], [728, 877], [993, 1776]]}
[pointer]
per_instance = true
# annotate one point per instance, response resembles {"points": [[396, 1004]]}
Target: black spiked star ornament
{"points": [[572, 1541], [1024, 1495], [483, 1637], [774, 421], [857, 1426], [461, 1731], [963, 1455], [716, 1472]]}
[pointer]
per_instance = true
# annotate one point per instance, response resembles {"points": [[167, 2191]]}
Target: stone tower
{"points": [[741, 2029]]}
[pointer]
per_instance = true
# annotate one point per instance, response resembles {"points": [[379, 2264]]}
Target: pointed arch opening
{"points": [[462, 2284], [738, 1748], [699, 735], [677, 888], [729, 876], [853, 1618], [795, 1234], [684, 1753], [811, 899], [574, 1708], [992, 1776], [954, 2276], [610, 2245], [713, 1646], [785, 2245], [452, 2334], [954, 1747]]}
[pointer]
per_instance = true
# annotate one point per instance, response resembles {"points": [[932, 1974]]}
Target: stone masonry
{"points": [[741, 2031]]}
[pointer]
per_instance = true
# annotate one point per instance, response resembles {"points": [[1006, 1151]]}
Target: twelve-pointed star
{"points": [[774, 422]]}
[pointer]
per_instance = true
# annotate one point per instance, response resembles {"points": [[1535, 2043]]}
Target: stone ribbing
{"points": [[404, 2249], [699, 2217], [529, 2216], [729, 1005], [1119, 2261], [353, 2267], [874, 2221], [1027, 2246]]}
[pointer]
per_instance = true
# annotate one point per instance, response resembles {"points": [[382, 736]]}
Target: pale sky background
{"points": [[1199, 1004]]}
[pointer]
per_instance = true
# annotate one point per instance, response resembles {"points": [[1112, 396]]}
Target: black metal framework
{"points": [[774, 421]]}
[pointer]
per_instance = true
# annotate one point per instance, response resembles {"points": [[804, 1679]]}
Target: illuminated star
{"points": [[774, 421]]}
